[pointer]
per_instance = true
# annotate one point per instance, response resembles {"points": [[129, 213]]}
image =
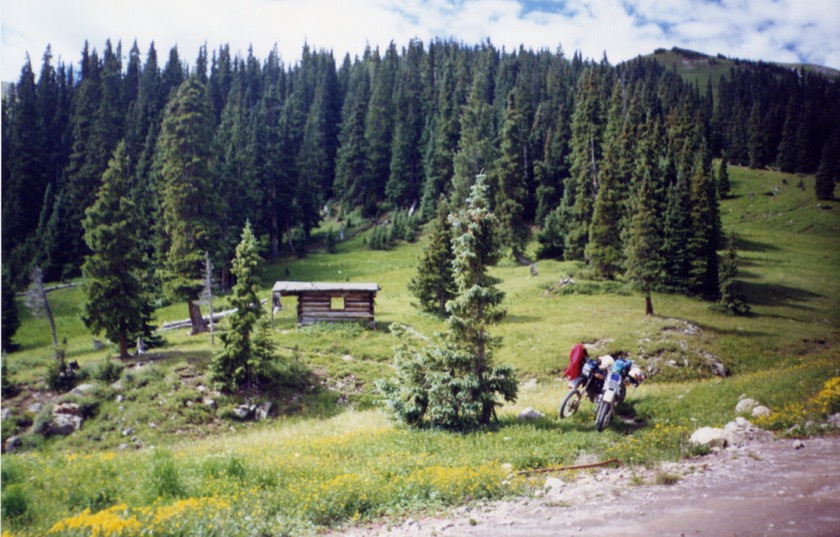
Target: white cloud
{"points": [[772, 30]]}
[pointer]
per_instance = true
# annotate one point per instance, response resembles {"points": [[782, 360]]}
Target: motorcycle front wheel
{"points": [[570, 404], [602, 417]]}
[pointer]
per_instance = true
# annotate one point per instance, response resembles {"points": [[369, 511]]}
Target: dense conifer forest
{"points": [[603, 163]]}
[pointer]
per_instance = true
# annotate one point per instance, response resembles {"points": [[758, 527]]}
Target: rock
{"points": [[83, 389], [709, 436], [122, 447], [127, 432], [63, 424], [34, 408], [347, 358], [734, 434], [6, 413], [834, 419], [760, 411], [120, 398], [209, 402], [12, 444], [798, 444], [243, 412], [201, 389], [263, 410], [745, 406], [529, 414]]}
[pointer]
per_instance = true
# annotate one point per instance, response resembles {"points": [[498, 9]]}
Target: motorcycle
{"points": [[620, 374], [590, 382]]}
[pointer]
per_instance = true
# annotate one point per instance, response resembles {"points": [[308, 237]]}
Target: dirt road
{"points": [[762, 489]]}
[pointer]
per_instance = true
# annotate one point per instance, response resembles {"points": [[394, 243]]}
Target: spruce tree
{"points": [[237, 366], [644, 243], [434, 283], [723, 184], [10, 317], [188, 199], [828, 174], [115, 269], [733, 300], [511, 176], [586, 141], [452, 383]]}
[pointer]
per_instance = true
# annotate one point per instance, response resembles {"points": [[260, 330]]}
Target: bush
{"points": [[15, 503], [60, 376], [108, 371]]}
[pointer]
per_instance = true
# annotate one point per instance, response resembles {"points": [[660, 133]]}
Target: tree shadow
{"points": [[747, 245], [522, 319], [772, 294]]}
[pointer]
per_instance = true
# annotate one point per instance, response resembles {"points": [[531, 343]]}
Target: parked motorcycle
{"points": [[621, 373], [590, 382]]}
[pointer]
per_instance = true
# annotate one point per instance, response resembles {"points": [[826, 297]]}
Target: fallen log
{"points": [[217, 316]]}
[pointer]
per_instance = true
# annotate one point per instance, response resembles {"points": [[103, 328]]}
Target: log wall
{"points": [[316, 307]]}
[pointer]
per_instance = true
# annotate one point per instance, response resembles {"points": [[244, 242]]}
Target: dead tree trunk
{"points": [[196, 320]]}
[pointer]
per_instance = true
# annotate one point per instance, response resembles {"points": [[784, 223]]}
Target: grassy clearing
{"points": [[332, 457]]}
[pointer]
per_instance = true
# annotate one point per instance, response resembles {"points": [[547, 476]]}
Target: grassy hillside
{"points": [[698, 68], [329, 456]]}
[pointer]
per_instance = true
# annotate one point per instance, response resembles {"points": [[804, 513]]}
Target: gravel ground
{"points": [[763, 488]]}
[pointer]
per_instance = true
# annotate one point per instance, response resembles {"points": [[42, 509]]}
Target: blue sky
{"points": [[770, 30]]}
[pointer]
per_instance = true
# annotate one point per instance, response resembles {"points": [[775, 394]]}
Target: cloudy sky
{"points": [[771, 30]]}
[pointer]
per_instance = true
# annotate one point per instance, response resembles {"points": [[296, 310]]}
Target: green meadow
{"points": [[329, 456]]}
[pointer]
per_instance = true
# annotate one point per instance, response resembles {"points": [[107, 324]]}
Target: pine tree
{"points": [[453, 383], [828, 174], [116, 268], [406, 170], [586, 141], [188, 200], [476, 151], [723, 184], [10, 317], [604, 248], [511, 177], [351, 163], [644, 244], [733, 300], [237, 365], [434, 283], [379, 127]]}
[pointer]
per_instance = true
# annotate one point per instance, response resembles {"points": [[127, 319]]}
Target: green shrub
{"points": [[15, 502], [60, 377], [108, 371]]}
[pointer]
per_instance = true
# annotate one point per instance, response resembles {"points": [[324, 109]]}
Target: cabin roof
{"points": [[305, 287]]}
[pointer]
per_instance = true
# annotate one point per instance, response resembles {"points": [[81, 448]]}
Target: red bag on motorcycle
{"points": [[576, 359]]}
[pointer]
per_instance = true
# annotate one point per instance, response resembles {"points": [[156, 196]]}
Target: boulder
{"points": [[713, 437], [12, 444], [745, 406], [529, 414], [760, 411], [244, 412], [63, 424], [6, 413], [263, 410]]}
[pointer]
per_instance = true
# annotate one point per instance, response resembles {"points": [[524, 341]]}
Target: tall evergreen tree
{"points": [[733, 300], [10, 317], [351, 163], [116, 268], [581, 188], [644, 243], [237, 365], [454, 383], [406, 169], [828, 174], [723, 184], [188, 201], [434, 283], [511, 177], [476, 151], [379, 126]]}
